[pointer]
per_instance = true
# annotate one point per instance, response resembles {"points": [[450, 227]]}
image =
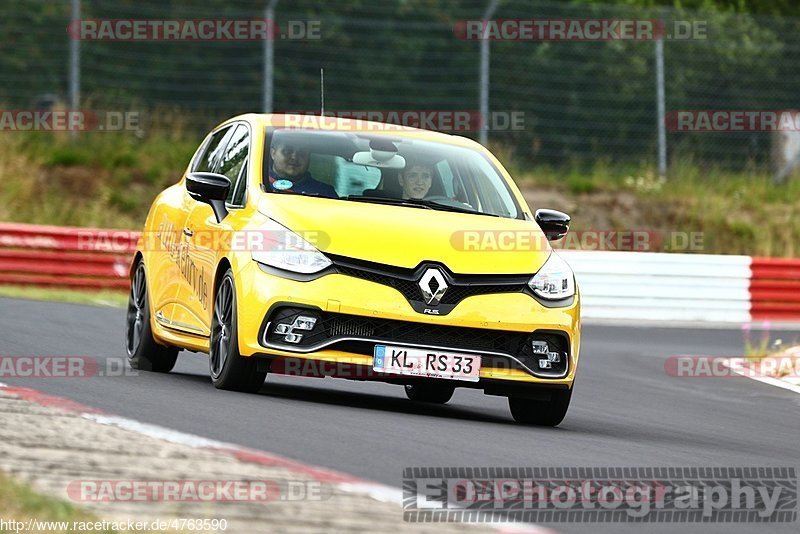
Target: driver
{"points": [[289, 171], [416, 180]]}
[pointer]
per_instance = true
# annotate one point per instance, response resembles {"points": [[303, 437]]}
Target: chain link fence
{"points": [[581, 101]]}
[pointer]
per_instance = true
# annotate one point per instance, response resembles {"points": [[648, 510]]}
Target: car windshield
{"points": [[386, 169]]}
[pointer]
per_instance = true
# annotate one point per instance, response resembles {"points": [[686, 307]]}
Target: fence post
{"points": [[484, 72], [660, 105], [269, 54], [75, 58]]}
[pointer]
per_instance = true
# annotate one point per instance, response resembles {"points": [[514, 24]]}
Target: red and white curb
{"points": [[737, 365], [343, 482]]}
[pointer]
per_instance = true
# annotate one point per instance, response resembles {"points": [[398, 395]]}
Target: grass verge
{"points": [[116, 299], [19, 502]]}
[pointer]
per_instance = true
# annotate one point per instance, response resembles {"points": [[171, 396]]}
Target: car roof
{"points": [[343, 124]]}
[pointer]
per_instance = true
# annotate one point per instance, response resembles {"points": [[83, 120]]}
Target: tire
{"points": [[430, 392], [229, 369], [144, 352], [538, 412]]}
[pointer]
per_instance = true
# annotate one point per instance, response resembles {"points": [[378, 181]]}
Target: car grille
{"points": [[359, 334], [478, 339], [406, 280]]}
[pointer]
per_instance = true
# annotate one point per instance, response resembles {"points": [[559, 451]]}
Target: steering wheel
{"points": [[447, 201]]}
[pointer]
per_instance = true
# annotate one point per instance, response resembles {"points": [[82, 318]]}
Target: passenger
{"points": [[416, 180], [289, 171]]}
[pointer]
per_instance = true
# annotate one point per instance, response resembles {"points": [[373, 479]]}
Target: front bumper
{"points": [[358, 313]]}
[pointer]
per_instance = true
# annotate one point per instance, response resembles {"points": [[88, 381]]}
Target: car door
{"points": [[161, 249], [206, 238], [164, 243], [176, 312]]}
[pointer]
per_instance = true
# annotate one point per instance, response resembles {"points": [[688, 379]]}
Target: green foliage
{"points": [[106, 179], [579, 184], [580, 100], [67, 156], [21, 502], [735, 213]]}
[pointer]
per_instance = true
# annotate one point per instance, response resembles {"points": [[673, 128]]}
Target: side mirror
{"points": [[554, 224], [211, 188]]}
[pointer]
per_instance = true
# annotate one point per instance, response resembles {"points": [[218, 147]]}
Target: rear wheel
{"points": [[229, 369], [428, 392], [539, 412], [144, 353]]}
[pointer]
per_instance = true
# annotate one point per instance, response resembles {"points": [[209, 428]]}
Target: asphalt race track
{"points": [[626, 410]]}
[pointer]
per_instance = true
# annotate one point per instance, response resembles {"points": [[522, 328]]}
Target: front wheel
{"points": [[432, 393], [229, 369], [541, 413], [144, 353]]}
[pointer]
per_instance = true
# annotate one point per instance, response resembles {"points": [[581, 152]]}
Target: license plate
{"points": [[427, 363]]}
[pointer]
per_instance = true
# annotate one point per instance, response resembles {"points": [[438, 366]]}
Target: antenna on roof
{"points": [[322, 91]]}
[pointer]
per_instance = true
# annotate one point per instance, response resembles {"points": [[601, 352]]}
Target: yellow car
{"points": [[335, 247]]}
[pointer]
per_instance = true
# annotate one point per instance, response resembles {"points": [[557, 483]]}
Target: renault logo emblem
{"points": [[433, 286]]}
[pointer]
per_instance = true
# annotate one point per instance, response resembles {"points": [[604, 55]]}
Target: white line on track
{"points": [[765, 379]]}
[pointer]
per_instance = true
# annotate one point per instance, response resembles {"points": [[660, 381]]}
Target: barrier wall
{"points": [[659, 286], [80, 258], [614, 285]]}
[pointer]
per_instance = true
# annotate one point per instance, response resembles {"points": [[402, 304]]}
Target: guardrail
{"points": [[56, 256], [775, 289], [614, 285], [660, 286]]}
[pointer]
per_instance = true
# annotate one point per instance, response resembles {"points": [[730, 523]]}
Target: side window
{"points": [[447, 178], [233, 163], [210, 154]]}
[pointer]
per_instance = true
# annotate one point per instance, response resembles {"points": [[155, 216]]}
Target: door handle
{"points": [[188, 232]]}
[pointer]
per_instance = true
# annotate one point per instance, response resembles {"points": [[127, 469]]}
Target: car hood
{"points": [[405, 236]]}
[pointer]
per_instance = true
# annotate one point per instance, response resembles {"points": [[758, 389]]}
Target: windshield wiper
{"points": [[447, 207], [417, 203], [388, 200]]}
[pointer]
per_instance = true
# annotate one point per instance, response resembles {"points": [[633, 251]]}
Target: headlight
{"points": [[555, 280], [281, 248]]}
